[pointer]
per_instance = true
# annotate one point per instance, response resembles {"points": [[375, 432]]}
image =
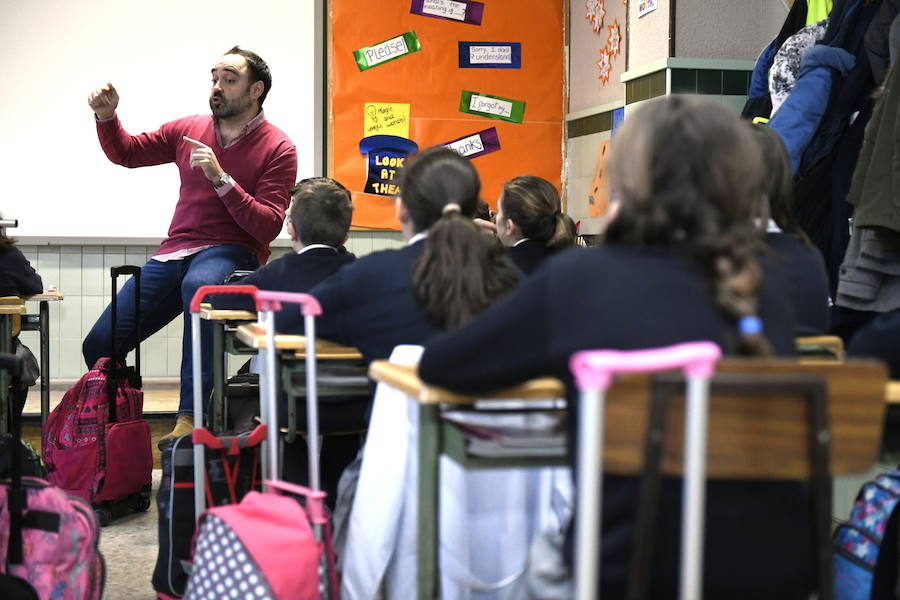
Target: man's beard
{"points": [[229, 108]]}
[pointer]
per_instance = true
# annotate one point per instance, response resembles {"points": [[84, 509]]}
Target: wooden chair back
{"points": [[754, 436]]}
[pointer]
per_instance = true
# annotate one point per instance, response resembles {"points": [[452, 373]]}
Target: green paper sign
{"points": [[492, 107], [386, 51]]}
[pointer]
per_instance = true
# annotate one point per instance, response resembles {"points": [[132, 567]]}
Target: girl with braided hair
{"points": [[682, 261]]}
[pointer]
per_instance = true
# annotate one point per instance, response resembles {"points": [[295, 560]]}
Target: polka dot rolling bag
{"points": [[275, 544]]}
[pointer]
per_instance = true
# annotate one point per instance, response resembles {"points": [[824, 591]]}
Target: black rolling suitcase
{"points": [[232, 464]]}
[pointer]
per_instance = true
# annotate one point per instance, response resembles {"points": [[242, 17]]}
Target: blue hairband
{"points": [[750, 325]]}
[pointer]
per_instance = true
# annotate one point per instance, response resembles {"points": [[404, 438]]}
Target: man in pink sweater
{"points": [[236, 171]]}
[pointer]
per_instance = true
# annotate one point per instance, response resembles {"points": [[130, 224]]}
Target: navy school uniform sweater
{"points": [[289, 273], [807, 279], [758, 535], [17, 276], [528, 255], [371, 305]]}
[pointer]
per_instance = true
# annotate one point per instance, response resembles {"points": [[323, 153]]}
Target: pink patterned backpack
{"points": [[48, 539], [90, 456]]}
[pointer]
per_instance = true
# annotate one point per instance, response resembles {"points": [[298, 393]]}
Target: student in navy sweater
{"points": [[680, 264], [448, 272], [318, 222], [802, 262], [530, 221]]}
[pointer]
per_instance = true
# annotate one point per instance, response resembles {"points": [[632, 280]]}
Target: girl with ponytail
{"points": [[446, 274], [530, 221], [682, 261]]}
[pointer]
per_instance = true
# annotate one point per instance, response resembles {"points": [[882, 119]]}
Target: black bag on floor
{"points": [[232, 470]]}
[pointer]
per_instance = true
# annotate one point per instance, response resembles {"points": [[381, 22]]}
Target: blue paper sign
{"points": [[490, 55]]}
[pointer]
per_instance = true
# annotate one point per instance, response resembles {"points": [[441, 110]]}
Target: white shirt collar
{"points": [[520, 241], [314, 246], [417, 238]]}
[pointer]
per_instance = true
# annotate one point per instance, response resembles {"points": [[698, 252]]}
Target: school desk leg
{"points": [[5, 347], [429, 510], [217, 406], [45, 366]]}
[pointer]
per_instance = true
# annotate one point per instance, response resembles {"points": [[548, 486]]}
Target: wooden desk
{"points": [[437, 437], [254, 336], [41, 323], [225, 323], [343, 373], [892, 392], [820, 347]]}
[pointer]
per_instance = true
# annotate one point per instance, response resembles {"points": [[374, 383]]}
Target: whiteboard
{"points": [[56, 179]]}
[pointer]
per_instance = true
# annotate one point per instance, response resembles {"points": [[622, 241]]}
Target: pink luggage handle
{"points": [[593, 369], [205, 290], [271, 301], [315, 508]]}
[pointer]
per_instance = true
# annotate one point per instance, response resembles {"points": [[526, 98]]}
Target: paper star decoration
{"points": [[605, 65], [614, 41], [596, 12]]}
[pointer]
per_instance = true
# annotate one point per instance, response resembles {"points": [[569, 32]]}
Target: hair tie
{"points": [[451, 207], [750, 325]]}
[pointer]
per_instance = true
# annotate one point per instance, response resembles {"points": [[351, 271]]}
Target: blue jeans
{"points": [[166, 291]]}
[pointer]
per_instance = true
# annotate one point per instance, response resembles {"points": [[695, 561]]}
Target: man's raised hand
{"points": [[103, 101], [204, 158]]}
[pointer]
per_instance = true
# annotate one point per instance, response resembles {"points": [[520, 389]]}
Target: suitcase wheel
{"points": [[141, 503], [104, 515]]}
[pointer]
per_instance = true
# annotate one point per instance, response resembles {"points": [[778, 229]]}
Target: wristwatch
{"points": [[224, 179]]}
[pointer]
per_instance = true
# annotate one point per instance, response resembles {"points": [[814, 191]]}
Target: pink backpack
{"points": [[60, 536], [264, 548], [90, 457]]}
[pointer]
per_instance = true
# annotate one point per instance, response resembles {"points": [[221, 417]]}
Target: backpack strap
{"points": [[16, 495]]}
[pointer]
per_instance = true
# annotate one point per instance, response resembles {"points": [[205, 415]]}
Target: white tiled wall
{"points": [[82, 275]]}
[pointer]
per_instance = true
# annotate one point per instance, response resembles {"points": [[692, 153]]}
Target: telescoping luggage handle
{"points": [[593, 371], [267, 302], [117, 372], [199, 449]]}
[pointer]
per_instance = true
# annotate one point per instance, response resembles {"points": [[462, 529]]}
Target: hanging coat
{"points": [[801, 114], [878, 38], [786, 64]]}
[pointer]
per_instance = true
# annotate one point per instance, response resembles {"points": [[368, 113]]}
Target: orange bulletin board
{"points": [[431, 82]]}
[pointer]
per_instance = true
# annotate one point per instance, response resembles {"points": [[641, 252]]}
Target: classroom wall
{"points": [[82, 274], [726, 30], [648, 36]]}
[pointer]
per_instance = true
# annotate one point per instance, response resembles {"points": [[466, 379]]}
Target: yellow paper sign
{"points": [[386, 119]]}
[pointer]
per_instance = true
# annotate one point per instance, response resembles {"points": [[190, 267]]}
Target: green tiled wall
{"points": [[710, 81], [646, 87]]}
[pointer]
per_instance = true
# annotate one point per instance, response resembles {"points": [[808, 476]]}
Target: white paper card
{"points": [[467, 146], [491, 106], [645, 6], [479, 55], [392, 48], [445, 8]]}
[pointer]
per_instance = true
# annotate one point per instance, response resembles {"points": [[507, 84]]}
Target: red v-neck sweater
{"points": [[263, 165]]}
